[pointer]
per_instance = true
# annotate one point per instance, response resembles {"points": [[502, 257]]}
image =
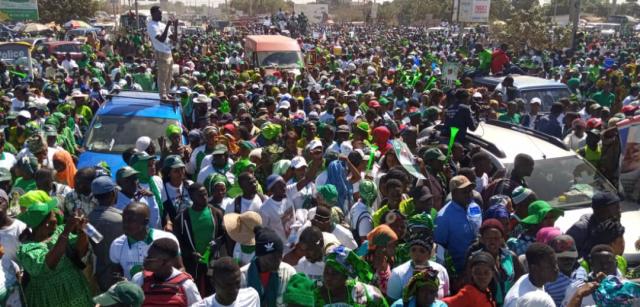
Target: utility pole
{"points": [[574, 14]]}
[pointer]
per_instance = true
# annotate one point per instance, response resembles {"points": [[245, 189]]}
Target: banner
{"points": [[471, 11], [629, 131], [19, 10], [406, 158]]}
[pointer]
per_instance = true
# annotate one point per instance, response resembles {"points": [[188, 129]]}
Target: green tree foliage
{"points": [[532, 28], [62, 11]]}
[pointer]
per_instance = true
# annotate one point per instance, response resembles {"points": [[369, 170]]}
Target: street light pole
{"points": [[575, 15]]}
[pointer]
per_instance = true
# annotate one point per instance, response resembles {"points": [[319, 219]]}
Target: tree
{"points": [[531, 28], [62, 11]]}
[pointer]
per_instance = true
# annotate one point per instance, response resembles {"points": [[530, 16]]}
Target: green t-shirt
{"points": [[605, 100], [202, 224], [23, 186], [513, 119]]}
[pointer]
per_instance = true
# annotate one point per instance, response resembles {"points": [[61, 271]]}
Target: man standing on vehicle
{"points": [[158, 33]]}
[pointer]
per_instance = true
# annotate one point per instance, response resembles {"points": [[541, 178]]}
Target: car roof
{"points": [[521, 81], [273, 42], [141, 104], [57, 43], [513, 140]]}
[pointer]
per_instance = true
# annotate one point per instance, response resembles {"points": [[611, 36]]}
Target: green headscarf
{"points": [[241, 166], [368, 192], [281, 167], [300, 291], [427, 277], [36, 213], [349, 264], [213, 179], [329, 193], [270, 130], [33, 197]]}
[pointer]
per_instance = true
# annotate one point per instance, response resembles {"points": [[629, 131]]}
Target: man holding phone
{"points": [[158, 33]]}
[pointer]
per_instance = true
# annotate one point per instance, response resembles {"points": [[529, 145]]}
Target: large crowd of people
{"points": [[332, 187]]}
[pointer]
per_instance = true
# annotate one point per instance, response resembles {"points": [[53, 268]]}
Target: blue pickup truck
{"points": [[120, 121]]}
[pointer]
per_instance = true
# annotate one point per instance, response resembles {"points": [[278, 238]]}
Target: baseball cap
{"points": [[343, 129], [102, 185], [314, 144], [564, 246], [477, 95], [298, 162], [25, 114], [173, 161], [50, 130], [603, 199], [219, 149], [124, 292], [459, 182], [537, 212], [536, 100], [434, 154], [125, 172], [140, 156]]}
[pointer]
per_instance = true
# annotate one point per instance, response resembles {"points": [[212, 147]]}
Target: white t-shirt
{"points": [[245, 205], [9, 238], [278, 215], [312, 270], [9, 281], [345, 237], [7, 160], [573, 287], [298, 197], [361, 211], [130, 256], [156, 28], [523, 286], [401, 274], [247, 297], [574, 143], [482, 182], [189, 287]]}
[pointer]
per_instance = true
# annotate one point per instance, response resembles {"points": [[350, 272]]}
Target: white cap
{"points": [[536, 100], [314, 144], [284, 105], [298, 162], [25, 114], [143, 143], [477, 95]]}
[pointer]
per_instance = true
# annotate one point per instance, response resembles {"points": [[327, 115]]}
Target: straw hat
{"points": [[240, 226]]}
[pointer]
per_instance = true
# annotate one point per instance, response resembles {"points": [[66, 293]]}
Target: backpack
{"points": [[168, 293]]}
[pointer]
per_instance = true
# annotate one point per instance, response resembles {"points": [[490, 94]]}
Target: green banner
{"points": [[20, 15], [19, 10]]}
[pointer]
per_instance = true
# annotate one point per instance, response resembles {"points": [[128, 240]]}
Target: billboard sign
{"points": [[19, 10], [476, 11]]}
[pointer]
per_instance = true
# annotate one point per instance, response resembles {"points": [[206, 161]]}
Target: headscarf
{"points": [[241, 166], [38, 212], [270, 130], [349, 264], [336, 175], [300, 291], [328, 193], [380, 236], [546, 234], [213, 179], [33, 197], [368, 192], [281, 167], [173, 129], [28, 163], [67, 176], [423, 278], [381, 137]]}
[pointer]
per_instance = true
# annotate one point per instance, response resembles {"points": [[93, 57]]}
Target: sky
{"points": [[216, 2]]}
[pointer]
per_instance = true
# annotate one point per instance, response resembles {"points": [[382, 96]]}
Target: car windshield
{"points": [[566, 181], [115, 134], [285, 59], [548, 96]]}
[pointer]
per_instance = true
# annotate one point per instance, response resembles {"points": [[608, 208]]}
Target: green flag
{"points": [[452, 138]]}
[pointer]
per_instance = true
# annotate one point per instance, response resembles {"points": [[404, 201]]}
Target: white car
{"points": [[560, 176]]}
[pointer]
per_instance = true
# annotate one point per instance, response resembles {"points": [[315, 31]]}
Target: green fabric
{"points": [[203, 228], [270, 130], [145, 80], [268, 296], [8, 147], [143, 169], [406, 208], [63, 286], [200, 156], [173, 129], [605, 100], [485, 60], [621, 264], [512, 119], [22, 185], [247, 249], [86, 113], [329, 193]]}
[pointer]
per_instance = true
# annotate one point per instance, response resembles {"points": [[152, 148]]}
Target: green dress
{"points": [[63, 286]]}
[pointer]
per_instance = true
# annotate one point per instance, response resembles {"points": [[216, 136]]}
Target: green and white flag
{"points": [[406, 158]]}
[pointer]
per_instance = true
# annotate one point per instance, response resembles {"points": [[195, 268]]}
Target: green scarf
{"points": [[143, 168], [268, 296]]}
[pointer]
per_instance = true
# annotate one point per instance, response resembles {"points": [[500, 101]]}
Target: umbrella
{"points": [[76, 24], [34, 27]]}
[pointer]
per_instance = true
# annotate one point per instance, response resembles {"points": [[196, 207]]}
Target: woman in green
{"points": [[51, 254], [346, 281], [25, 171]]}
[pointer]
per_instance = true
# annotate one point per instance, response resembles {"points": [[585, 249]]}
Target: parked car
{"points": [[560, 176], [120, 121], [529, 87], [60, 48]]}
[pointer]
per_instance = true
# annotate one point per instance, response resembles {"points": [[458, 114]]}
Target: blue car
{"points": [[120, 121]]}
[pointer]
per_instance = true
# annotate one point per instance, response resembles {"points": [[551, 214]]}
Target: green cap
{"points": [[125, 172], [300, 291], [36, 213], [5, 174], [124, 292], [434, 154], [140, 156], [173, 161], [383, 100], [220, 149], [538, 210]]}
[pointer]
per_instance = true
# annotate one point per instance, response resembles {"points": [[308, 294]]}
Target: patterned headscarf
{"points": [[270, 130], [348, 263], [380, 236], [423, 278], [328, 193], [368, 192]]}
